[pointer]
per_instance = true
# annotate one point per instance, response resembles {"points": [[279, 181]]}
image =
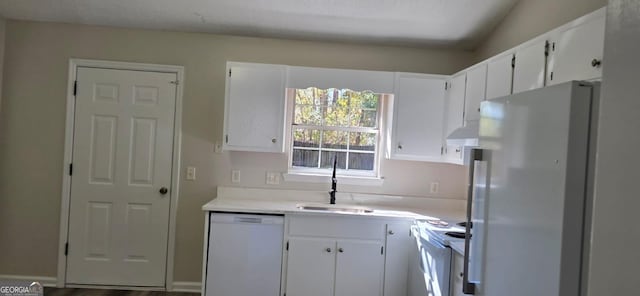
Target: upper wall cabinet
{"points": [[476, 92], [576, 54], [456, 90], [530, 65], [418, 119], [500, 76], [254, 107]]}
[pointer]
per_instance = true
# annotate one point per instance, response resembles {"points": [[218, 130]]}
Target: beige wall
{"points": [[530, 18], [33, 116]]}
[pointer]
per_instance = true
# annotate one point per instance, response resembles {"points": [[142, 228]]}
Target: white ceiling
{"points": [[450, 23]]}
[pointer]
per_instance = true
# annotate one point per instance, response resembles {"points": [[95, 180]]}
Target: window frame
{"points": [[377, 152]]}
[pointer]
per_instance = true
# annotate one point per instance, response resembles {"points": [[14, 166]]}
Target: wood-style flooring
{"points": [[99, 292]]}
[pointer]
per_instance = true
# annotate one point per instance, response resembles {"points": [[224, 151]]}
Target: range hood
{"points": [[466, 135]]}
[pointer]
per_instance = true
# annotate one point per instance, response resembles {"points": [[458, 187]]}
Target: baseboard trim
{"points": [[192, 287], [46, 281]]}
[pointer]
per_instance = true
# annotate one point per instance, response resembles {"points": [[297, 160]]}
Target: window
{"points": [[334, 123]]}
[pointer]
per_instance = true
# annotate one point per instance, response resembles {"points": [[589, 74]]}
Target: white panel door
{"points": [[418, 120], [359, 268], [255, 106], [500, 77], [530, 70], [396, 268], [576, 54], [476, 92], [122, 153], [311, 265]]}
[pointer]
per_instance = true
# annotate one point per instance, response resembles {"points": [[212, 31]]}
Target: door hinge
{"points": [[551, 76], [75, 88], [553, 46], [229, 72], [546, 48], [66, 249], [382, 250], [71, 169], [513, 61], [287, 246], [226, 138]]}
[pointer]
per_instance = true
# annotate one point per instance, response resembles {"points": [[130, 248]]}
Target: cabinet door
{"points": [[476, 92], [359, 269], [499, 77], [456, 274], [398, 245], [574, 51], [418, 120], [255, 103], [529, 72], [311, 265], [455, 114]]}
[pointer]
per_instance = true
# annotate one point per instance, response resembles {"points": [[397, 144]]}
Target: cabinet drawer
{"points": [[338, 227]]}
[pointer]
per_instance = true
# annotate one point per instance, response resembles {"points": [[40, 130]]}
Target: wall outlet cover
{"points": [[273, 178], [191, 173], [235, 176]]}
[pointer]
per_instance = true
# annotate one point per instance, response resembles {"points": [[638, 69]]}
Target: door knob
{"points": [[274, 140], [164, 190], [596, 63]]}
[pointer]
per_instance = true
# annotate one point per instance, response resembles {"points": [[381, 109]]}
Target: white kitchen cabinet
{"points": [[500, 76], [457, 271], [311, 267], [418, 119], [530, 67], [455, 96], [346, 256], [399, 243], [475, 92], [576, 54], [359, 268], [254, 107]]}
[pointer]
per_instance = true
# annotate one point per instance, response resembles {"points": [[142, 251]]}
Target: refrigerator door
{"points": [[538, 144]]}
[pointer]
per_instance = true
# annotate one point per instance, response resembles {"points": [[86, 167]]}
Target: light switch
{"points": [[191, 173], [273, 178], [235, 176]]}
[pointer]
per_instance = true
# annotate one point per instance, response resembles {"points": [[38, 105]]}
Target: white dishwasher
{"points": [[244, 255]]}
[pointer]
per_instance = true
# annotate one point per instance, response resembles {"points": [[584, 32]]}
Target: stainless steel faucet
{"points": [[334, 182]]}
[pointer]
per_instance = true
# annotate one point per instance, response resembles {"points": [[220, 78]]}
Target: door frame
{"points": [[74, 64]]}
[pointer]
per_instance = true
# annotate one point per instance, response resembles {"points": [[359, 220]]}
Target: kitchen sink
{"points": [[335, 208]]}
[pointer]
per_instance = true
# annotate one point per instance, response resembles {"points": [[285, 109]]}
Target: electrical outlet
{"points": [[191, 173], [435, 187], [273, 178], [217, 148], [235, 176]]}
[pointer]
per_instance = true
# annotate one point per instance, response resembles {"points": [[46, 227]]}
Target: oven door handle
{"points": [[468, 287]]}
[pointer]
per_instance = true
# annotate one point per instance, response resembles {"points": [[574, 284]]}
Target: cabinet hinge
{"points": [[446, 87], [226, 138], [441, 150], [382, 250], [546, 48], [66, 249], [71, 169], [551, 76], [553, 46], [229, 72], [176, 82], [513, 62], [75, 88], [287, 246]]}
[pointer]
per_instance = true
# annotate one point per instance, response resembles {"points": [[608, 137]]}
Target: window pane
{"points": [[362, 141], [361, 161], [337, 116], [327, 159], [334, 140], [364, 118], [305, 158], [306, 138], [308, 115], [310, 96]]}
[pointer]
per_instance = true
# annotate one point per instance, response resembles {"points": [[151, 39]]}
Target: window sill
{"points": [[320, 178]]}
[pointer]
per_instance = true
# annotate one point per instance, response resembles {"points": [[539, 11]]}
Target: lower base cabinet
{"points": [[336, 256], [457, 271]]}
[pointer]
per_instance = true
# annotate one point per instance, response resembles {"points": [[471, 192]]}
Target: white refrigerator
{"points": [[530, 193]]}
